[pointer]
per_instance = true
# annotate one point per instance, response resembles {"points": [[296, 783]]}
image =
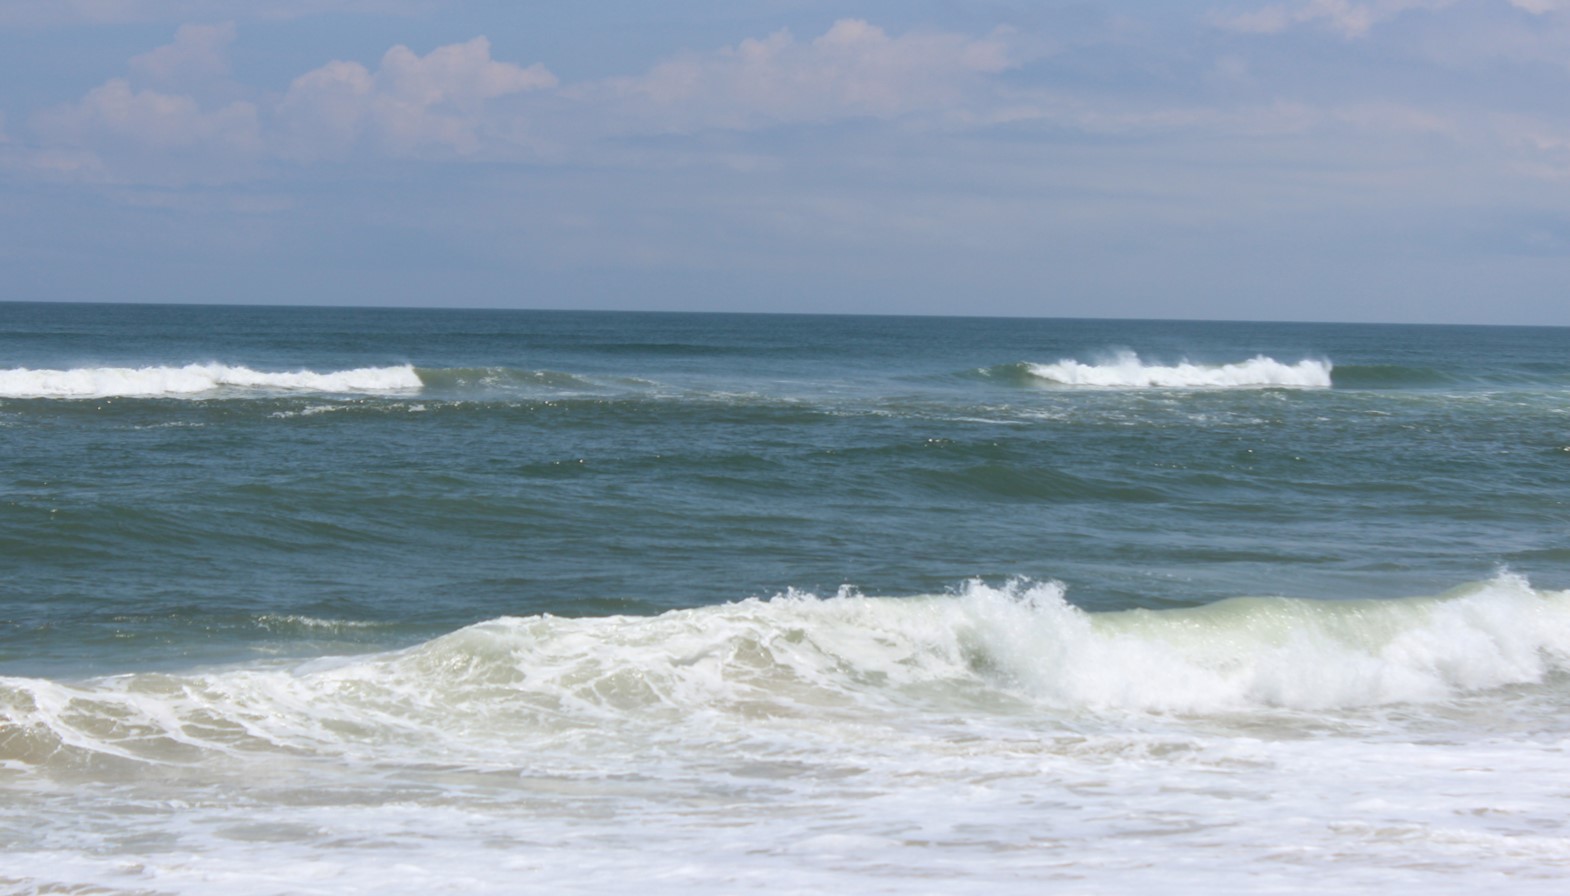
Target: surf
{"points": [[201, 380], [1126, 370], [483, 693]]}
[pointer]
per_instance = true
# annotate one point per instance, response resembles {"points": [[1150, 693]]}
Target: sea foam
{"points": [[199, 380], [1125, 370], [483, 693], [981, 738]]}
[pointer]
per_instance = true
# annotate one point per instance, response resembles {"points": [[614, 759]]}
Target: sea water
{"points": [[410, 601]]}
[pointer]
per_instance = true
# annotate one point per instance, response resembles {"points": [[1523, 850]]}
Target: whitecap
{"points": [[1125, 370], [200, 380]]}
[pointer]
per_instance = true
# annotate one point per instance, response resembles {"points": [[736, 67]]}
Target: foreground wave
{"points": [[484, 693], [1125, 370]]}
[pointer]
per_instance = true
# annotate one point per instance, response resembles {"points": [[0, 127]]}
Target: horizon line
{"points": [[763, 313]]}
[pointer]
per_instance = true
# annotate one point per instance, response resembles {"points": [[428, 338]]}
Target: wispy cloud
{"points": [[853, 70], [148, 118], [1345, 17], [1541, 7]]}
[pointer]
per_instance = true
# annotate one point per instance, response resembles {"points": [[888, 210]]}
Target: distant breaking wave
{"points": [[195, 380], [1125, 370]]}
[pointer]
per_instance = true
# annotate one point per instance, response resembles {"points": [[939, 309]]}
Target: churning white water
{"points": [[992, 740]]}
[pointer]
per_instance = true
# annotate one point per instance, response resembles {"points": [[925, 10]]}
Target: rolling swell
{"points": [[1417, 377], [1016, 374], [498, 691], [1034, 483], [1391, 376]]}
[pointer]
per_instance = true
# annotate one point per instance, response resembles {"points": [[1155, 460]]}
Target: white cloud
{"points": [[441, 102], [853, 70], [163, 122], [410, 103], [192, 124], [148, 118], [198, 52], [324, 112], [1350, 19], [459, 101]]}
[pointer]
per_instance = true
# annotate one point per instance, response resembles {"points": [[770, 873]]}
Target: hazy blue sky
{"points": [[1404, 160]]}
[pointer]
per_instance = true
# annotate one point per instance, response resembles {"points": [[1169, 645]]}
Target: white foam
{"points": [[1125, 370], [997, 740], [194, 380], [1253, 653], [469, 696]]}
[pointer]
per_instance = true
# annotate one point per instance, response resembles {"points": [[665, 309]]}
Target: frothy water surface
{"points": [[1125, 370]]}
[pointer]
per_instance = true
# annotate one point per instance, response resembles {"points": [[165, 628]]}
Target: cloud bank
{"points": [[454, 100]]}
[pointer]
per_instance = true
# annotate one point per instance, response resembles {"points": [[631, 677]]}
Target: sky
{"points": [[1355, 160]]}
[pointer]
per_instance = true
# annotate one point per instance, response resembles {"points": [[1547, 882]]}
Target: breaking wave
{"points": [[518, 684], [199, 380], [1125, 370]]}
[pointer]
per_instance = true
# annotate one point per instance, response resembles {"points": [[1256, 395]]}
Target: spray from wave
{"points": [[1125, 370], [199, 380]]}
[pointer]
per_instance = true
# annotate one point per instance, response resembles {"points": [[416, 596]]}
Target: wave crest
{"points": [[199, 380], [1125, 370], [487, 691]]}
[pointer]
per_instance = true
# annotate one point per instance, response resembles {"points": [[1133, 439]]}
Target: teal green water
{"points": [[515, 463], [331, 601]]}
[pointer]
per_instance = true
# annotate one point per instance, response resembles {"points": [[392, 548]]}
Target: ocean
{"points": [[311, 601]]}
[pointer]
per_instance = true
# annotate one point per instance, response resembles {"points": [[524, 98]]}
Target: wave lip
{"points": [[490, 692], [1125, 370], [799, 653], [198, 380]]}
